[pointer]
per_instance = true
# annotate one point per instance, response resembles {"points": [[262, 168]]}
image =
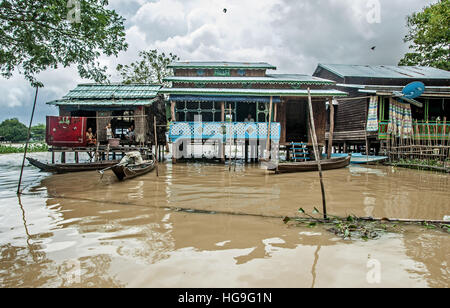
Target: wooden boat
{"points": [[125, 172], [358, 158], [72, 167], [327, 164]]}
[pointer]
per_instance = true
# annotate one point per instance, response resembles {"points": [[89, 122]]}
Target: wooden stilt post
{"points": [[275, 112], [365, 130], [28, 141], [156, 146], [269, 129], [231, 120], [331, 134], [172, 112], [316, 152]]}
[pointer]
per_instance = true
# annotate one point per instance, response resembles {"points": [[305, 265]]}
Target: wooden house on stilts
{"points": [[94, 106], [223, 102], [375, 116]]}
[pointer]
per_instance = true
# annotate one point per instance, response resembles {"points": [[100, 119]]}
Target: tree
{"points": [[13, 130], [38, 132], [429, 36], [151, 68], [37, 35]]}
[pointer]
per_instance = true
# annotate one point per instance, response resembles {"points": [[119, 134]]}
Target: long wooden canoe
{"points": [[72, 167], [125, 172], [327, 164]]}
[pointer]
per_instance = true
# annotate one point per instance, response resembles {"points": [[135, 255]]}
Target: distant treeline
{"points": [[34, 147], [12, 130]]}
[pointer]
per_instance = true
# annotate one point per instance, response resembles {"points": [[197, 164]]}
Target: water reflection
{"points": [[129, 234]]}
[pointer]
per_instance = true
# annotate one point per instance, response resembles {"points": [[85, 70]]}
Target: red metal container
{"points": [[66, 131]]}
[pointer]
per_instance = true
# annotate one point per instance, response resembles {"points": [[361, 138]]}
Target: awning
{"points": [[227, 99]]}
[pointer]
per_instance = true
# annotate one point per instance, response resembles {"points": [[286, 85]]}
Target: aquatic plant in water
{"points": [[353, 227]]}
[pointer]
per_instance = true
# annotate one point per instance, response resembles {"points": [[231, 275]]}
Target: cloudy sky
{"points": [[293, 35]]}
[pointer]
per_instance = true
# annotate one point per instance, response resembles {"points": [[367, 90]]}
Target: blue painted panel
{"points": [[220, 130]]}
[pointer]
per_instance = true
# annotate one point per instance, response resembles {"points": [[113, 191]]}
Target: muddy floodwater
{"points": [[185, 228]]}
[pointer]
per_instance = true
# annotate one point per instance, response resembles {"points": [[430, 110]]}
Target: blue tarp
{"points": [[227, 99]]}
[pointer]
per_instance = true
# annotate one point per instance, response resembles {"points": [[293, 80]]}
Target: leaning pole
{"points": [[316, 152], [28, 141]]}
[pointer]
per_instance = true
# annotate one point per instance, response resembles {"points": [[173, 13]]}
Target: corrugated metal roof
{"points": [[221, 64], [252, 92], [96, 91], [274, 78], [386, 71], [110, 94], [121, 102]]}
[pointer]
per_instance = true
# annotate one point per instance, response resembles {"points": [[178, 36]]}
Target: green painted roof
{"points": [[220, 64], [269, 79], [251, 92], [385, 71], [121, 102], [110, 94]]}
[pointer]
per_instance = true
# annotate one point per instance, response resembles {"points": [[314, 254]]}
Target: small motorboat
{"points": [[358, 158], [131, 166], [326, 164], [72, 167]]}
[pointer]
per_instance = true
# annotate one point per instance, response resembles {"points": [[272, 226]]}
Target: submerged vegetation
{"points": [[423, 164], [353, 227], [32, 148]]}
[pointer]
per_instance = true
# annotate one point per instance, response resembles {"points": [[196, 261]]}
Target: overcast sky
{"points": [[294, 35]]}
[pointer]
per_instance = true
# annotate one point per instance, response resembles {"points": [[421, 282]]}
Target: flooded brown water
{"points": [[80, 230]]}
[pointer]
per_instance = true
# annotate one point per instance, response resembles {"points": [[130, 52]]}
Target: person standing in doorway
{"points": [[109, 132]]}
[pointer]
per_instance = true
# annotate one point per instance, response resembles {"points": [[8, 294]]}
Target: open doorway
{"points": [[245, 109], [296, 121]]}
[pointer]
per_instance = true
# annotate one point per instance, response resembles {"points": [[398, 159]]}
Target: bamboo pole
{"points": [[222, 144], [269, 129], [331, 133], [316, 152], [28, 141], [231, 120], [156, 146], [365, 130]]}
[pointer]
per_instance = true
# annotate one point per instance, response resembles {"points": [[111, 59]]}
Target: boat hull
{"points": [[328, 164], [128, 172], [67, 168]]}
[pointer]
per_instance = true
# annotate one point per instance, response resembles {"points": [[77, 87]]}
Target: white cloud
{"points": [[293, 35]]}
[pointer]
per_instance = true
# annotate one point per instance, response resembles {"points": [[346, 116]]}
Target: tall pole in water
{"points": [[28, 141], [316, 152], [155, 155]]}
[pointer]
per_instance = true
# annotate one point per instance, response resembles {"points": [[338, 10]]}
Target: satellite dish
{"points": [[410, 92], [413, 90]]}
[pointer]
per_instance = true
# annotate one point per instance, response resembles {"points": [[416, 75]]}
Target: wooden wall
{"points": [[320, 121], [210, 72], [103, 118], [63, 112]]}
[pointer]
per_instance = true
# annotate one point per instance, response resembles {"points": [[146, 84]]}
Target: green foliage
{"points": [[429, 37], [14, 131], [38, 147], [151, 68], [37, 35], [38, 132]]}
